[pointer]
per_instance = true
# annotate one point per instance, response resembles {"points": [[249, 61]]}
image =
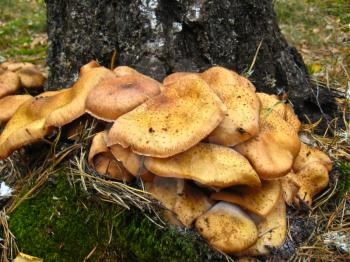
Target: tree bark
{"points": [[158, 37]]}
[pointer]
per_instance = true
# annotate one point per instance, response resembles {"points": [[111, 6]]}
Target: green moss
{"points": [[343, 169], [63, 223]]}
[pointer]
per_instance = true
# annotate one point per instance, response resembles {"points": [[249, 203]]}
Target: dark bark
{"points": [[158, 37]]}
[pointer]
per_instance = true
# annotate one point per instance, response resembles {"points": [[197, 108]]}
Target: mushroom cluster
{"points": [[216, 154]]}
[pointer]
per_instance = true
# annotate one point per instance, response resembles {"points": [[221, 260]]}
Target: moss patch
{"points": [[344, 177], [63, 223]]}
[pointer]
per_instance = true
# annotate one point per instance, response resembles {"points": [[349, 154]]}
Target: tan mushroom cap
{"points": [[191, 203], [309, 155], [273, 150], [9, 105], [121, 71], [15, 66], [292, 118], [271, 103], [227, 228], [289, 188], [172, 122], [259, 201], [98, 146], [312, 179], [9, 83], [27, 125], [243, 106], [272, 231], [115, 97], [131, 161], [172, 78], [106, 164], [208, 164], [31, 78], [74, 99]]}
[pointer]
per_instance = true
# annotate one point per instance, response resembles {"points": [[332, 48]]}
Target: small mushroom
{"points": [[311, 179], [208, 164], [309, 155], [172, 122], [272, 231], [104, 162], [73, 100], [10, 104], [9, 83], [273, 150], [227, 228], [115, 97], [241, 121], [31, 78], [259, 201]]}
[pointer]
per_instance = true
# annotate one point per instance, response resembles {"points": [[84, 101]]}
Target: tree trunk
{"points": [[158, 37]]}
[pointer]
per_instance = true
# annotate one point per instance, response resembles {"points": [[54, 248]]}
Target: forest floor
{"points": [[319, 29]]}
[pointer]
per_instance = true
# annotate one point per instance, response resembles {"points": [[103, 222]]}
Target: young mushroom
{"points": [[272, 231], [227, 228], [9, 83], [241, 121], [115, 97], [172, 122], [259, 201], [209, 164], [31, 78]]}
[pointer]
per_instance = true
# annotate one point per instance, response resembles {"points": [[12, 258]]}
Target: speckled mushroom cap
{"points": [[273, 150], [289, 188], [115, 97], [27, 125], [292, 118], [73, 107], [9, 83], [259, 201], [227, 228], [172, 78], [309, 155], [241, 121], [311, 179], [172, 122], [208, 164], [272, 231], [9, 105]]}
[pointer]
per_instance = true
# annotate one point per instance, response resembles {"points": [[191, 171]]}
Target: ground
{"points": [[320, 29]]}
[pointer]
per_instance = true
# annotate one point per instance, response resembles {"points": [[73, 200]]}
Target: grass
{"points": [[22, 30]]}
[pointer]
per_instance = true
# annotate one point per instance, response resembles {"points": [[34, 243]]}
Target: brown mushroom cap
{"points": [[191, 203], [271, 103], [172, 122], [309, 155], [208, 164], [272, 231], [115, 97], [106, 164], [312, 179], [259, 201], [227, 228], [131, 161], [98, 146], [27, 125], [292, 118], [31, 78], [15, 66], [74, 99], [172, 78], [9, 105], [273, 150], [9, 83], [121, 71], [243, 106]]}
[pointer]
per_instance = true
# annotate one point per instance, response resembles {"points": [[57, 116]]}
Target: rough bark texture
{"points": [[159, 37]]}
